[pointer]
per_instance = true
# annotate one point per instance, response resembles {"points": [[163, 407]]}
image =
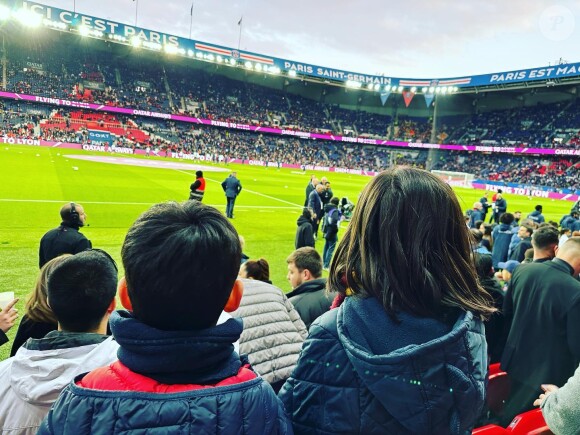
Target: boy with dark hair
{"points": [[81, 292], [177, 369]]}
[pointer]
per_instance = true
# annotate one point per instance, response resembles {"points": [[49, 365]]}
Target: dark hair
{"points": [[487, 229], [483, 265], [544, 237], [507, 218], [307, 258], [80, 289], [499, 191], [306, 213], [477, 224], [199, 174], [181, 262], [258, 270], [477, 235], [538, 207], [390, 251], [529, 255], [334, 200]]}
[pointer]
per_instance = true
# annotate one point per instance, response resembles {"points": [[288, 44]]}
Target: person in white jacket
{"points": [[81, 293]]}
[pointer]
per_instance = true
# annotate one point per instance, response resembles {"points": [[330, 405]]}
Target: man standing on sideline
{"points": [[315, 204], [81, 292], [232, 187], [65, 239], [309, 295], [197, 188], [327, 194], [499, 207], [310, 187], [485, 205], [542, 313]]}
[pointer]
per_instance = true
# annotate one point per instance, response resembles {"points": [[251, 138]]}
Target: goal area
{"points": [[458, 179]]}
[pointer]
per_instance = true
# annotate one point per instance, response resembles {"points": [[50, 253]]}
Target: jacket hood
{"points": [[535, 213], [302, 220], [433, 381], [38, 376], [329, 207]]}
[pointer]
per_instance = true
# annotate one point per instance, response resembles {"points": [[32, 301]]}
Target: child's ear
{"points": [[124, 294], [235, 297], [112, 306]]}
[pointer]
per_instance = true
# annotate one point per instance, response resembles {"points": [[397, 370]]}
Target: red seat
{"points": [[498, 391], [490, 429], [529, 423], [494, 368]]}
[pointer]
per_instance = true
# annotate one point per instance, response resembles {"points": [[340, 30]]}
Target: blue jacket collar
{"points": [[177, 357]]}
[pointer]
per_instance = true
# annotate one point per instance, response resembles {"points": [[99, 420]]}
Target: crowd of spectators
{"points": [[35, 121]]}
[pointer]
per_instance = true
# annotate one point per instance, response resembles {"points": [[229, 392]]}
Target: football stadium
{"points": [[404, 252]]}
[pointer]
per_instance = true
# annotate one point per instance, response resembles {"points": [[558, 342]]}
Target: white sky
{"points": [[411, 39]]}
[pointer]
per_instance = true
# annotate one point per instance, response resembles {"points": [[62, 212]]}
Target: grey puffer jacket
{"points": [[273, 330]]}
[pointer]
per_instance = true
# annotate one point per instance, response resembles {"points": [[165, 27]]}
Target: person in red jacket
{"points": [[197, 188]]}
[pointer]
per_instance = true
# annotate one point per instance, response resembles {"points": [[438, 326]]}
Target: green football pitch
{"points": [[35, 182]]}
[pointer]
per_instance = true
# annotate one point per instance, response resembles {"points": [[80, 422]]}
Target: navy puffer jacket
{"points": [[360, 372]]}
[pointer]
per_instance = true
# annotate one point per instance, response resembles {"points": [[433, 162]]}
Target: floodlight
{"points": [[444, 89], [432, 90], [190, 53], [219, 59], [424, 90], [414, 89], [84, 30], [171, 49], [274, 70], [199, 54], [210, 57], [394, 88], [4, 12], [258, 67], [353, 84], [232, 62], [292, 73], [438, 90], [370, 86], [400, 89], [248, 65], [136, 41], [377, 87], [28, 18]]}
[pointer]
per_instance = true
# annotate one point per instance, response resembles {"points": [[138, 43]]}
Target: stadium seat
{"points": [[490, 429], [498, 390], [494, 369], [529, 423]]}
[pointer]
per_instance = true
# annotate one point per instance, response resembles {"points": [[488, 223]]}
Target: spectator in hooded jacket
{"points": [[81, 291], [177, 369], [502, 235], [358, 370], [304, 232], [332, 216], [537, 215], [308, 295]]}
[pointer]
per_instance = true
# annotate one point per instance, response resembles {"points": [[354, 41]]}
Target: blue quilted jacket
{"points": [[360, 372]]}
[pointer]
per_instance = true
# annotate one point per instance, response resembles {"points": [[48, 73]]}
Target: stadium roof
{"points": [[444, 39]]}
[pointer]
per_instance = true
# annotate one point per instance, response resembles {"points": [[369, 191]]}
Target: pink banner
{"points": [[300, 134], [536, 193]]}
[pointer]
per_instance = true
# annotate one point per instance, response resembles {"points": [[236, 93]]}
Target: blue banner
{"points": [[429, 99], [189, 47], [99, 137]]}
